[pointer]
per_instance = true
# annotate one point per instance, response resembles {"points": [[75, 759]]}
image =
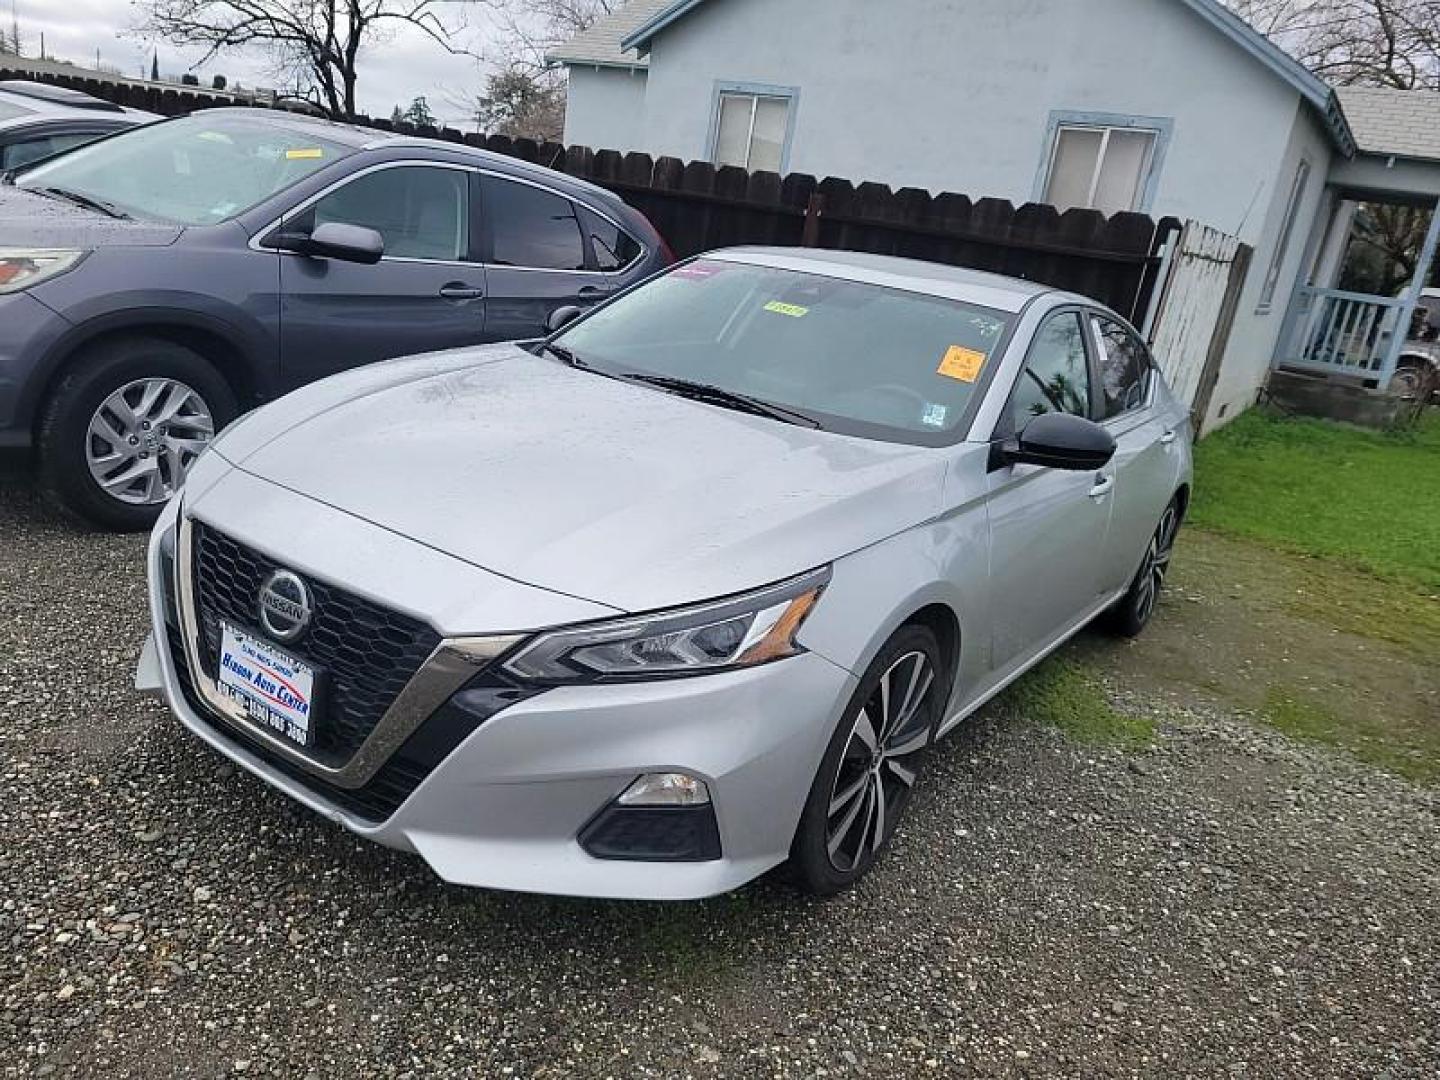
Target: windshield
{"points": [[195, 171], [857, 358]]}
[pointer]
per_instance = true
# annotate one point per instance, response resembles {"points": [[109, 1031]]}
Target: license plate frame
{"points": [[276, 690]]}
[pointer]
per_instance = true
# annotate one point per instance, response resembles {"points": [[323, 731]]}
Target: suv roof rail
{"points": [[57, 95]]}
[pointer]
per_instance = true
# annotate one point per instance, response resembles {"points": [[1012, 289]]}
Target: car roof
{"points": [[913, 275], [363, 138], [41, 101]]}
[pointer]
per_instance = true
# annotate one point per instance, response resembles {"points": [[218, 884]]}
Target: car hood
{"points": [[580, 484], [29, 219]]}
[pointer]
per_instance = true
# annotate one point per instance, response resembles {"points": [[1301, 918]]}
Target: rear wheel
{"points": [[871, 765], [1133, 611], [123, 426]]}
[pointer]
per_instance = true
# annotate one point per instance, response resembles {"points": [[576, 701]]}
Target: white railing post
{"points": [[1406, 310]]}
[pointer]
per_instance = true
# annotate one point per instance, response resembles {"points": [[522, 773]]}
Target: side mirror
{"points": [[562, 317], [336, 240], [1062, 441]]}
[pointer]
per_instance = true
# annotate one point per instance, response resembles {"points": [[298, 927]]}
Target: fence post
{"points": [[814, 211]]}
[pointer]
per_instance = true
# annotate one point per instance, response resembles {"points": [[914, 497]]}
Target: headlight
{"points": [[742, 632], [22, 267]]}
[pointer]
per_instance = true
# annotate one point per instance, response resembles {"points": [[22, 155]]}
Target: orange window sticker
{"points": [[309, 153], [962, 364]]}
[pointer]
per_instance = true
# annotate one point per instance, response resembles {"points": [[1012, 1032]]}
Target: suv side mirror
{"points": [[562, 317], [1061, 441], [336, 240]]}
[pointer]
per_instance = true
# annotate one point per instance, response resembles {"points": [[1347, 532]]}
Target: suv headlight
{"points": [[745, 631], [22, 267]]}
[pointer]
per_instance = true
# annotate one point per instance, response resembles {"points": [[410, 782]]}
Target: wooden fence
{"points": [[698, 206]]}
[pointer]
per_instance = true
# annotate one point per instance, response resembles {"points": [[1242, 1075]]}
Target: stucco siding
{"points": [[605, 108], [1256, 332], [958, 94]]}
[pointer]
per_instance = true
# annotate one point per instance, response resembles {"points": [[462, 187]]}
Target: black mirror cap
{"points": [[1062, 441], [562, 317], [348, 243]]}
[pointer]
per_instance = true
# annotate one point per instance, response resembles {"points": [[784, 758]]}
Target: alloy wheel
{"points": [[1157, 564], [877, 770], [144, 436]]}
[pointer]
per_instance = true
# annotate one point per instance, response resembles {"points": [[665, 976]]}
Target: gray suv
{"points": [[159, 282]]}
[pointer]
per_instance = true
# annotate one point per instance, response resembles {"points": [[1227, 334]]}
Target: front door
{"points": [[1048, 527], [537, 260], [426, 293]]}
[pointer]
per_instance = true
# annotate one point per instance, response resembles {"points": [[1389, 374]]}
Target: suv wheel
{"points": [[124, 424], [870, 767]]}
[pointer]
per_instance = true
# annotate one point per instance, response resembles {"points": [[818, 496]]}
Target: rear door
{"points": [[426, 293], [538, 256], [1048, 527], [1145, 437]]}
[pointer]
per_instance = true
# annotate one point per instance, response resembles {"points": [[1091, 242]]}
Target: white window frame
{"points": [[1298, 187], [790, 95], [1161, 128]]}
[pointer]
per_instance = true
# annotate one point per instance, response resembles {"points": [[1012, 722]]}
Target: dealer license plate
{"points": [[275, 690]]}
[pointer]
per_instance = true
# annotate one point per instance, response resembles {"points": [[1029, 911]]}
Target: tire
{"points": [[833, 850], [176, 387], [1133, 611]]}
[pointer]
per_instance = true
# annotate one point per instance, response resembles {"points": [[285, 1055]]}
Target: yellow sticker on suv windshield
{"points": [[795, 311], [962, 364], [305, 154]]}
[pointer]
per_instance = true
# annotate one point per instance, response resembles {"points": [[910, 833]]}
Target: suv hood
{"points": [[29, 219], [580, 484]]}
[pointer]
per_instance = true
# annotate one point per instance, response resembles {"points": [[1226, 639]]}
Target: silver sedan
{"points": [[681, 593]]}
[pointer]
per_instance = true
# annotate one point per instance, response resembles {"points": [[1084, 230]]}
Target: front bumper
{"points": [[505, 808]]}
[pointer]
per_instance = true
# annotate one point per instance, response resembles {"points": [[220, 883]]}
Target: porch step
{"points": [[1337, 398]]}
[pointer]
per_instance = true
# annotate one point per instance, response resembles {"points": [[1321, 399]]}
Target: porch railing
{"points": [[1341, 332]]}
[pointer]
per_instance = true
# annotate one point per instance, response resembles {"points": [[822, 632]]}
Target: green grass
{"points": [[1369, 499], [1413, 751], [1063, 694]]}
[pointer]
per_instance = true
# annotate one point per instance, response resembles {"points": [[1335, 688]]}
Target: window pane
{"points": [[614, 248], [732, 140], [421, 213], [1076, 152], [1127, 157], [532, 227], [1124, 369], [768, 145], [1056, 378]]}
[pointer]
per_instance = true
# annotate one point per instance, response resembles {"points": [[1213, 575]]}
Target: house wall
{"points": [[957, 94], [605, 108], [1256, 331]]}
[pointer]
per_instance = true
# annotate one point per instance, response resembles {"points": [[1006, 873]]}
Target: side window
{"points": [[1124, 368], [423, 213], [1056, 377], [613, 247], [26, 151], [531, 227]]}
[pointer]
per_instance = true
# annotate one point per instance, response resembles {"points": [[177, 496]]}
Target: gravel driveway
{"points": [[1227, 903]]}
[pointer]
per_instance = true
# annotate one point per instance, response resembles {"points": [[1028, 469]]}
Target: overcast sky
{"points": [[403, 67]]}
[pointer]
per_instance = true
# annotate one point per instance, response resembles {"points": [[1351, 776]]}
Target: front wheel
{"points": [[866, 778], [1133, 611], [122, 427]]}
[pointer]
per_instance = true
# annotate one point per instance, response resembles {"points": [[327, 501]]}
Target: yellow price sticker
{"points": [[962, 364], [795, 311], [310, 153]]}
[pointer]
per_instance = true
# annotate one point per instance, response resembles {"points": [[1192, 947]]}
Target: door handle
{"points": [[591, 292], [1102, 487], [458, 290], [1167, 438]]}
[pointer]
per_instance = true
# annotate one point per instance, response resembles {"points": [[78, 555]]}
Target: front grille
{"points": [[368, 651]]}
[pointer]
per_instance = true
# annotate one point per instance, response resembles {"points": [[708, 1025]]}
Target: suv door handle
{"points": [[1102, 487], [591, 292], [458, 290]]}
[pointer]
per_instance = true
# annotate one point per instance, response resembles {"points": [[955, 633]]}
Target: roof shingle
{"points": [[1405, 123], [601, 43]]}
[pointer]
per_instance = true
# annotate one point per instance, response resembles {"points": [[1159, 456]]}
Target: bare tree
{"points": [[315, 44], [1393, 43]]}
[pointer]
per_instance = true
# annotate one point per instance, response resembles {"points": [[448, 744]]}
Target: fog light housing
{"points": [[666, 789], [661, 817]]}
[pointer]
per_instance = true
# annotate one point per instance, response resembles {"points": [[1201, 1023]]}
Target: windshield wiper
{"points": [[727, 399], [87, 201]]}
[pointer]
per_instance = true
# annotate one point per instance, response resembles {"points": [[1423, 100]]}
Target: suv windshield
{"points": [[195, 171], [856, 358]]}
